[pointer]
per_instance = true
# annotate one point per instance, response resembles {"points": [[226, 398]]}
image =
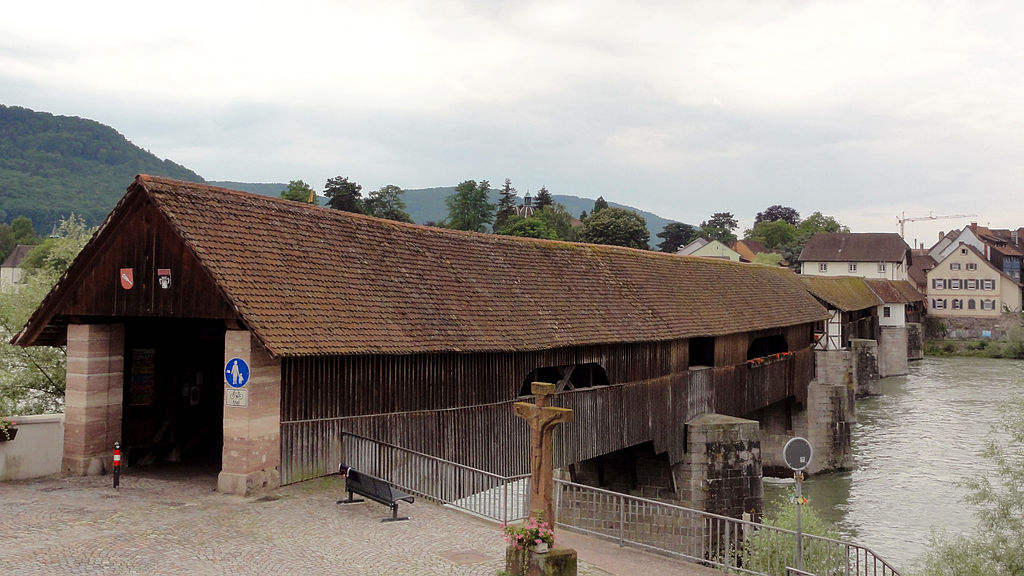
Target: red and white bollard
{"points": [[117, 464]]}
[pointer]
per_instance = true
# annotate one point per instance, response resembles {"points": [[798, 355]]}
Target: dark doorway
{"points": [[173, 391]]}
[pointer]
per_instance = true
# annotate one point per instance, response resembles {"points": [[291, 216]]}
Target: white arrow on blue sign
{"points": [[236, 373]]}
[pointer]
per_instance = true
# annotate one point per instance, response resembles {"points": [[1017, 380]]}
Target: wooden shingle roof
{"points": [[313, 281]]}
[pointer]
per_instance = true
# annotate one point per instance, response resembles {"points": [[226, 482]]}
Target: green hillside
{"points": [[53, 165]]}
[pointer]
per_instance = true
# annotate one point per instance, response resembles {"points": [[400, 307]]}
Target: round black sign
{"points": [[797, 453]]}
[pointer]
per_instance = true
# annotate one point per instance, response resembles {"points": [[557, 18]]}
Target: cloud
{"points": [[860, 110]]}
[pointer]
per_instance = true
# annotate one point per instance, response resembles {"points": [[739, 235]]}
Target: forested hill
{"points": [[52, 165]]}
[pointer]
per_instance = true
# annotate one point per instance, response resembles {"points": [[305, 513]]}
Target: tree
{"points": [[675, 235], [506, 205], [299, 191], [343, 195], [616, 226], [543, 198], [468, 208], [817, 222], [387, 203], [778, 212], [599, 205], [996, 545], [24, 232], [765, 552], [6, 241], [527, 228], [773, 234], [558, 219], [813, 224], [719, 227], [34, 377]]}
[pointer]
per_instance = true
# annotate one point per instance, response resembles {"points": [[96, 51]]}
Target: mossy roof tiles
{"points": [[311, 281]]}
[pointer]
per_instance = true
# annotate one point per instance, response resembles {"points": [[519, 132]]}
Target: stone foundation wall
{"points": [[892, 351], [93, 397], [830, 415], [973, 328], [864, 361], [721, 470], [915, 341]]}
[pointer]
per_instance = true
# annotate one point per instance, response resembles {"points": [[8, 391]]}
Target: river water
{"points": [[911, 445]]}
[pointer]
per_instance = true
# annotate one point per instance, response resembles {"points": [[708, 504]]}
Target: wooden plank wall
{"points": [[488, 436]]}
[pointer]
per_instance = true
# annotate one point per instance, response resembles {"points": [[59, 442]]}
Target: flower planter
{"points": [[8, 434]]}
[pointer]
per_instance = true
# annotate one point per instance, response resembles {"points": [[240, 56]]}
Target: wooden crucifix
{"points": [[542, 419]]}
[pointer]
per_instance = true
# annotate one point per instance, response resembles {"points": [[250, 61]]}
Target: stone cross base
{"points": [[555, 562]]}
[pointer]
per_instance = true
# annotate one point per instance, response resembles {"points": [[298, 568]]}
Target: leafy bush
{"points": [[771, 552]]}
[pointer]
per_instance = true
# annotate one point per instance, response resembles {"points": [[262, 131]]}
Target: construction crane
{"points": [[903, 218]]}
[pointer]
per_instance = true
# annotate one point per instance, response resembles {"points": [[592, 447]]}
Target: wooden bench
{"points": [[373, 488]]}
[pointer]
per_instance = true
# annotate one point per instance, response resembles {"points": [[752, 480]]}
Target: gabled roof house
{"points": [[869, 255], [251, 332]]}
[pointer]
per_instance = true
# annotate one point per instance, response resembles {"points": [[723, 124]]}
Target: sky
{"points": [[863, 110]]}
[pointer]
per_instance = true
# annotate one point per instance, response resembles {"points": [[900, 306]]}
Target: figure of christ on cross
{"points": [[542, 419]]}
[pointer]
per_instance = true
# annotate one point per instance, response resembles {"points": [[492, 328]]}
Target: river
{"points": [[911, 445]]}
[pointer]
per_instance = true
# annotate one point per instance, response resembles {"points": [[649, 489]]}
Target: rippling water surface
{"points": [[911, 446]]}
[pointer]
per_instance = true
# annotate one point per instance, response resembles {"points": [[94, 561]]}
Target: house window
{"points": [[939, 283], [853, 267], [963, 251], [881, 267], [886, 312], [823, 267], [971, 305], [972, 266], [938, 303], [988, 304], [954, 284], [971, 284], [954, 265], [958, 304], [988, 284]]}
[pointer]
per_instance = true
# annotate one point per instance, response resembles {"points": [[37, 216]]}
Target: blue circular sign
{"points": [[236, 373]]}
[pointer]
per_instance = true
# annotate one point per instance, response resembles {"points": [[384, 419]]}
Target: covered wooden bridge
{"points": [[415, 335]]}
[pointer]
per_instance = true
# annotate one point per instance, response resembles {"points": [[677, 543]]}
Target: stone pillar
{"points": [[830, 415], [864, 362], [252, 434], [915, 341], [93, 397], [892, 351], [721, 470]]}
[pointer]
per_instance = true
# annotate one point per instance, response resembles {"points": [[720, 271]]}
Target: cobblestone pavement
{"points": [[161, 523]]}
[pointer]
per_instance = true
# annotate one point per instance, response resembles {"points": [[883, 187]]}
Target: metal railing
{"points": [[732, 545], [503, 499]]}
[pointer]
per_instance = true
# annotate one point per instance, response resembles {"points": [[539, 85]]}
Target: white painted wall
{"points": [[36, 451]]}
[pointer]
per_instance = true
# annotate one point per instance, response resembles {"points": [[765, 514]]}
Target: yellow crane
{"points": [[903, 218]]}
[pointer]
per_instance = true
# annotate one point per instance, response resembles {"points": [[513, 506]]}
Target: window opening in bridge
{"points": [[766, 346], [567, 377], [702, 352]]}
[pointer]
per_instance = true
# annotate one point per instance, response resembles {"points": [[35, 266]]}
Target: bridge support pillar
{"points": [[831, 409], [892, 351], [721, 470], [864, 367]]}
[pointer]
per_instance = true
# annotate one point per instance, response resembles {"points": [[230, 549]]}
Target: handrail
{"points": [[733, 545]]}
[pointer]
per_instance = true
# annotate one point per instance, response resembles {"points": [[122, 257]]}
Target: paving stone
{"points": [[173, 522]]}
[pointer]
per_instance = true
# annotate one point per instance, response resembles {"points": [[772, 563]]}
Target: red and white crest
{"points": [[127, 278]]}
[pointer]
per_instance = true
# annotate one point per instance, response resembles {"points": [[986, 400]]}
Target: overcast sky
{"points": [[859, 110]]}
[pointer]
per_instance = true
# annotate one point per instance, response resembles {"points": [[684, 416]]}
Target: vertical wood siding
{"points": [[327, 396]]}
